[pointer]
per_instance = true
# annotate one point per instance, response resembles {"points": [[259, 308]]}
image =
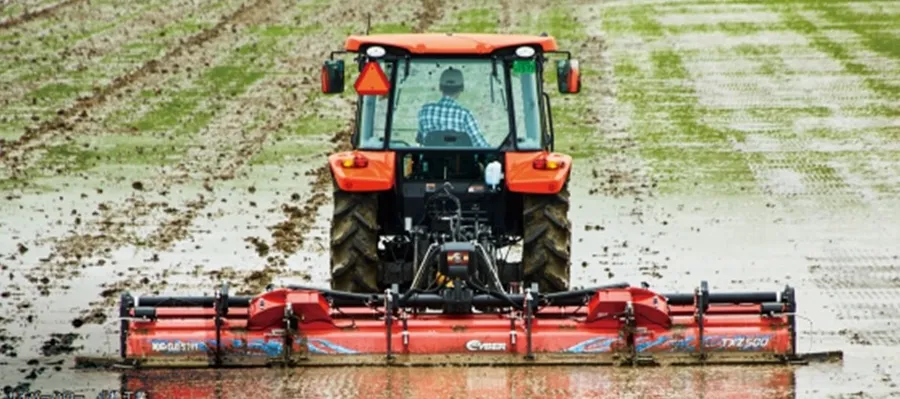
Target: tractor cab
{"points": [[448, 104]]}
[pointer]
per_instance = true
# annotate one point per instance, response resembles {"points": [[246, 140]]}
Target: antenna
{"points": [[368, 23]]}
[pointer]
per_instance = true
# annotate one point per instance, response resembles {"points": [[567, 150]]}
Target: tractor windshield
{"points": [[456, 103]]}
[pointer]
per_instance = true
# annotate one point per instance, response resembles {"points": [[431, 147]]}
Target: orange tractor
{"points": [[452, 163], [453, 147]]}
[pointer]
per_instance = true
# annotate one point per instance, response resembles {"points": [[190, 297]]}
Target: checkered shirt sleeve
{"points": [[446, 114]]}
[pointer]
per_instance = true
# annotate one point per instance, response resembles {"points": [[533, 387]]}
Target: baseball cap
{"points": [[452, 78]]}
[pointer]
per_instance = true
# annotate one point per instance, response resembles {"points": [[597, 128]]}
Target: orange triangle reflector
{"points": [[372, 81]]}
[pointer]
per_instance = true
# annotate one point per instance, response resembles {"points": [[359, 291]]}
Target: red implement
{"points": [[614, 325]]}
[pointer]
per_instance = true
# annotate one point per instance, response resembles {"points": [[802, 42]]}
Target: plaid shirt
{"points": [[447, 114]]}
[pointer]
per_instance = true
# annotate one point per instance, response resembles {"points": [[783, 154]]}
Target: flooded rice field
{"points": [[167, 146]]}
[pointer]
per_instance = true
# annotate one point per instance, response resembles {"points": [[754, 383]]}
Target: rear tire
{"points": [[354, 242], [547, 240]]}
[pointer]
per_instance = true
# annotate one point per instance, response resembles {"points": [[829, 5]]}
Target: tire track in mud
{"points": [[110, 220], [30, 16], [621, 171], [612, 186], [110, 229], [505, 16], [106, 50], [71, 253], [226, 163], [288, 236], [430, 11], [868, 285], [16, 152]]}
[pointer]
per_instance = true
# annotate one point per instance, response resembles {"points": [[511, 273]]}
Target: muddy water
{"points": [[461, 382], [549, 382], [672, 251], [181, 230]]}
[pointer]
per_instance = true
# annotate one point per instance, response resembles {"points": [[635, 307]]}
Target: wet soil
{"points": [[35, 11], [683, 173]]}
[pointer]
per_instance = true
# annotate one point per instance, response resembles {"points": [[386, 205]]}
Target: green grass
{"points": [[162, 126], [385, 28], [873, 29], [573, 115], [841, 53], [63, 85], [299, 138], [669, 123], [86, 153], [55, 91], [690, 146], [475, 20], [186, 111]]}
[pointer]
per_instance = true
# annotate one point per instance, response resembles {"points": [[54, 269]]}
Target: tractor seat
{"points": [[447, 138]]}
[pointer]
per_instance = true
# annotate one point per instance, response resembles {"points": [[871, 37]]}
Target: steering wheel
{"points": [[399, 142]]}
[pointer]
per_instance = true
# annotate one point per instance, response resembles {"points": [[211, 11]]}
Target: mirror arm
{"points": [[331, 55], [550, 121]]}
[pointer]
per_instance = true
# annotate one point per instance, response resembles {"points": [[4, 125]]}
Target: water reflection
{"points": [[469, 383]]}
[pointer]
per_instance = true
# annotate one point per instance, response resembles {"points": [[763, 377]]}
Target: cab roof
{"points": [[449, 43]]}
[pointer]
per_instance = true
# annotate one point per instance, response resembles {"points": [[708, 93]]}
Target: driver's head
{"points": [[451, 82]]}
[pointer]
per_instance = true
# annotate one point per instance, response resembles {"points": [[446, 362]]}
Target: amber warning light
{"points": [[372, 81]]}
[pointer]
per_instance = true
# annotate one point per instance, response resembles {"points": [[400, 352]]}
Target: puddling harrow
{"points": [[607, 325]]}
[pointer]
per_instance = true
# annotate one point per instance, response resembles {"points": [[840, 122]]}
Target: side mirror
{"points": [[568, 77], [333, 76]]}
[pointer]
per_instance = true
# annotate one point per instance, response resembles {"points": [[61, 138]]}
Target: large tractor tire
{"points": [[354, 242], [547, 240]]}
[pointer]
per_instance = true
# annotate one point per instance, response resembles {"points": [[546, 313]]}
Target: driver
{"points": [[447, 114]]}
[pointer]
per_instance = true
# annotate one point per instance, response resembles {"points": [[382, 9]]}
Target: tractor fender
{"points": [[522, 177], [375, 174]]}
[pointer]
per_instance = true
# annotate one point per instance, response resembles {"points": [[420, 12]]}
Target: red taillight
{"points": [[358, 161], [543, 164], [458, 258], [324, 80]]}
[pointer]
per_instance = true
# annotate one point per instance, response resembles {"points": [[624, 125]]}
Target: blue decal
{"points": [[593, 345], [752, 343], [270, 348], [259, 346], [664, 344], [324, 347], [643, 343]]}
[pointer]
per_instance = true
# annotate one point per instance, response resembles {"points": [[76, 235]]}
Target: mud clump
{"points": [[137, 186], [430, 12], [18, 391], [110, 292], [262, 249], [95, 316], [855, 337], [60, 344], [258, 280], [288, 234], [8, 344], [177, 228]]}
